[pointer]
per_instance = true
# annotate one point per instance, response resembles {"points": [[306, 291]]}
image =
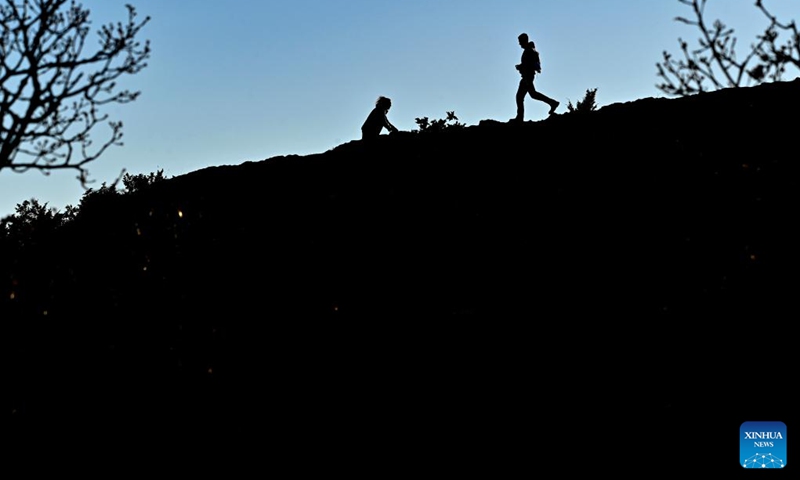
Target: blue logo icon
{"points": [[762, 445]]}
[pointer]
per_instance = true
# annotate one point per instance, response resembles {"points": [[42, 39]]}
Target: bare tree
{"points": [[714, 63], [54, 85]]}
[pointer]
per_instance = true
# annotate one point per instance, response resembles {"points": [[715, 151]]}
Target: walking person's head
{"points": [[383, 103], [524, 41]]}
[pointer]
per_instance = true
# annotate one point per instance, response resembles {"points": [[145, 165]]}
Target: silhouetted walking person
{"points": [[377, 121], [529, 66]]}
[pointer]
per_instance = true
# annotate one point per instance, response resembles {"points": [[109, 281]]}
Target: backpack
{"points": [[537, 62]]}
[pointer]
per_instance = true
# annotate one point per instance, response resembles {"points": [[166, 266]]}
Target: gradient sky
{"points": [[246, 80]]}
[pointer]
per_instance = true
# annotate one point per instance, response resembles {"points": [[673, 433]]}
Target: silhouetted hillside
{"points": [[433, 290]]}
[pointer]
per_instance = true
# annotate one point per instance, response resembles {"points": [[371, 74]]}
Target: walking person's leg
{"points": [[543, 98], [522, 91]]}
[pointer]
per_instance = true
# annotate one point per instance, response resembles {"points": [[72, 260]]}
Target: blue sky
{"points": [[245, 80]]}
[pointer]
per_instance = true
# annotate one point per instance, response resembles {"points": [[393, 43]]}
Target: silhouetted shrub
{"points": [[587, 104], [91, 195], [93, 199], [31, 221], [139, 182], [438, 125]]}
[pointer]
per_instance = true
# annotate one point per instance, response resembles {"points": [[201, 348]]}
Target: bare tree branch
{"points": [[52, 90], [714, 63]]}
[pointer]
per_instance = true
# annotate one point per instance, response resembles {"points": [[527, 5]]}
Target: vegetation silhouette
{"points": [[55, 89], [588, 104], [450, 122], [717, 63]]}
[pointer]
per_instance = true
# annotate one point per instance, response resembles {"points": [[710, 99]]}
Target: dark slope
{"points": [[387, 229], [435, 285]]}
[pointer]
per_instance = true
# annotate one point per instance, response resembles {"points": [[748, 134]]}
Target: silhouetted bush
{"points": [[438, 125], [139, 182], [99, 198], [587, 104], [31, 222], [93, 198]]}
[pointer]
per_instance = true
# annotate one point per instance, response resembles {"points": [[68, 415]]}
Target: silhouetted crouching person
{"points": [[528, 68], [377, 121]]}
